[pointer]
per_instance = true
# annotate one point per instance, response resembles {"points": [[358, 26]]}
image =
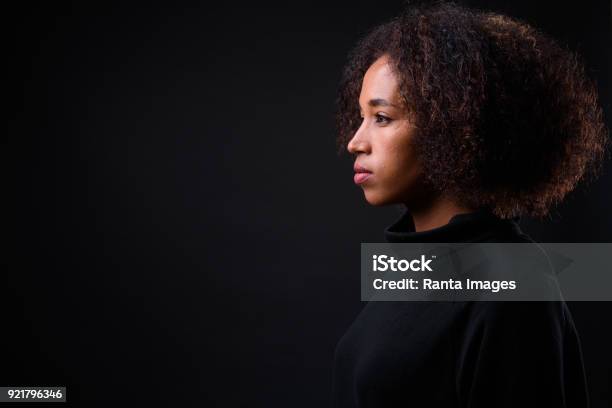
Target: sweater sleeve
{"points": [[512, 355]]}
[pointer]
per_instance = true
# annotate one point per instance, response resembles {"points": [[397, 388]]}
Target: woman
{"points": [[471, 120]]}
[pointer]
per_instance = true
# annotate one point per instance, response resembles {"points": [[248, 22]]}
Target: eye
{"points": [[382, 119]]}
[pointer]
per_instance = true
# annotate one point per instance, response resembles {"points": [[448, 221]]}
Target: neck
{"points": [[436, 214]]}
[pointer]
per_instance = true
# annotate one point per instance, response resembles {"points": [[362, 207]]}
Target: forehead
{"points": [[380, 82]]}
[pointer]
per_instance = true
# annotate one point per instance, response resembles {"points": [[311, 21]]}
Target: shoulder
{"points": [[534, 320]]}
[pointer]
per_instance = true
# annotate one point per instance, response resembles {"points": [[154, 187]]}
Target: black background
{"points": [[181, 231]]}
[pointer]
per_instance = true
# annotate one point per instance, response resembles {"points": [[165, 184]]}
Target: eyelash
{"points": [[378, 116], [384, 118]]}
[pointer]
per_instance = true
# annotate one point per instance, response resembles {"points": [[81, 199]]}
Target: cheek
{"points": [[398, 159]]}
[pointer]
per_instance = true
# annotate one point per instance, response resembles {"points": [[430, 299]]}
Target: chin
{"points": [[377, 199]]}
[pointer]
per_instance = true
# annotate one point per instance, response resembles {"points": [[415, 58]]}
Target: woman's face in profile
{"points": [[385, 162]]}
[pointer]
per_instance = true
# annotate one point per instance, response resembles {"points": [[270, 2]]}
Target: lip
{"points": [[361, 174], [360, 169], [361, 177]]}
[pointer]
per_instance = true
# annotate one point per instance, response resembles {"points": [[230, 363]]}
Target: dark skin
{"points": [[383, 146]]}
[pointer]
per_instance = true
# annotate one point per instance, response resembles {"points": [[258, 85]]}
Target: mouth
{"points": [[360, 178], [361, 174]]}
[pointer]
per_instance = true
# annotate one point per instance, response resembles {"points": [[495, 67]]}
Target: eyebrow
{"points": [[381, 102]]}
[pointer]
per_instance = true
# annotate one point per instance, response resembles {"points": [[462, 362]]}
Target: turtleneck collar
{"points": [[478, 226]]}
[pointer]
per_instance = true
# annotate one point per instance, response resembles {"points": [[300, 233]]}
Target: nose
{"points": [[359, 143]]}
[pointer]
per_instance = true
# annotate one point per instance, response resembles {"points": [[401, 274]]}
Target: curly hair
{"points": [[506, 117]]}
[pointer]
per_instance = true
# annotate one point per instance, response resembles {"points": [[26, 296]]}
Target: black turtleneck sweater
{"points": [[460, 354]]}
